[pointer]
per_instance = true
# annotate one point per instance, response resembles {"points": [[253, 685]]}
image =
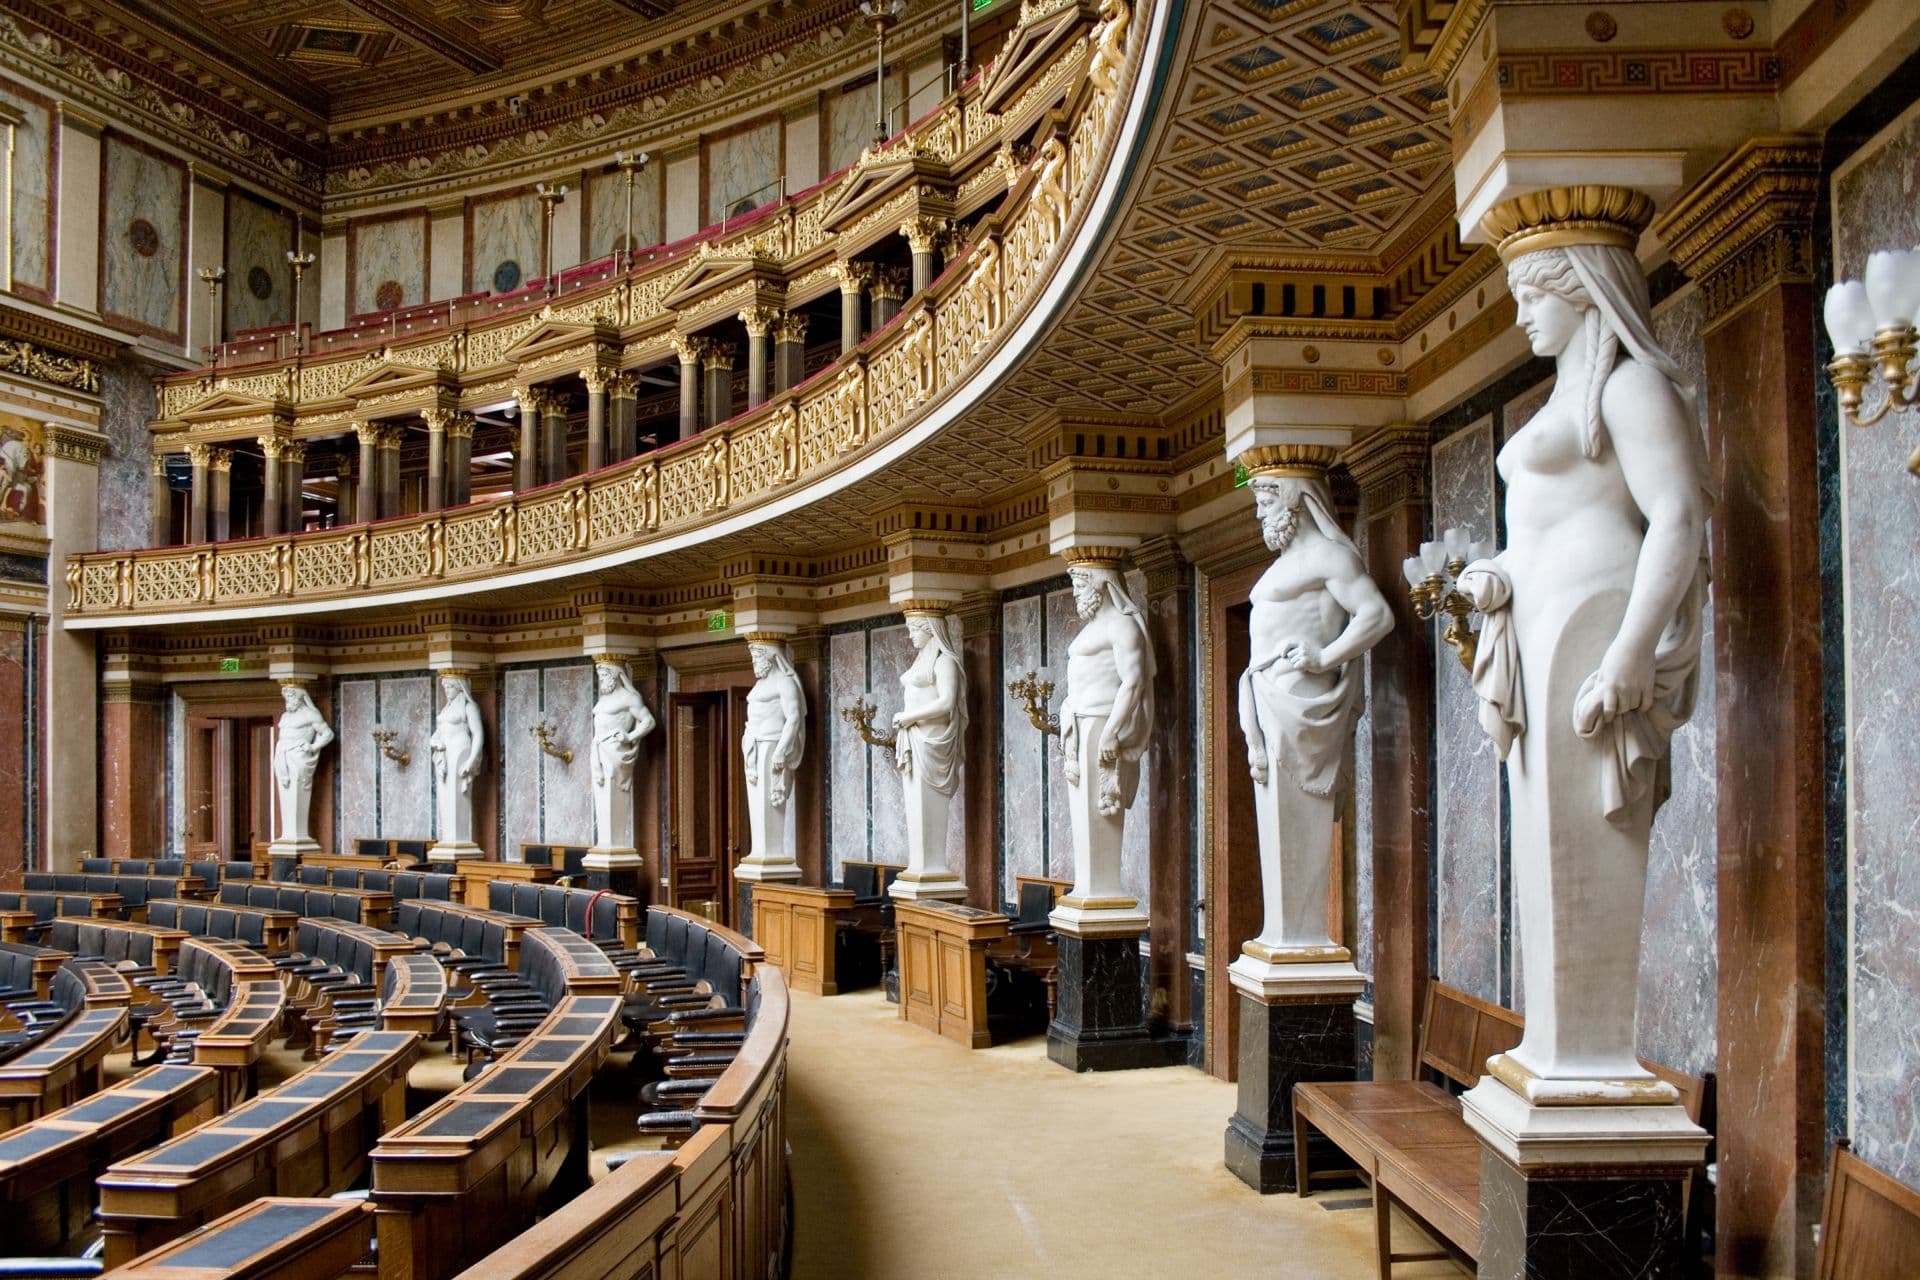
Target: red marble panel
{"points": [[132, 791], [13, 748]]}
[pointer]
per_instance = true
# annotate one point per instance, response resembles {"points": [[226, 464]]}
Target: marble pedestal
{"points": [[617, 871], [1296, 1025], [448, 854], [936, 883], [751, 871], [1097, 1023], [1615, 1172]]}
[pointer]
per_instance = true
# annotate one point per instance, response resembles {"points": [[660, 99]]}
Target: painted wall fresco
{"points": [[389, 264], [1876, 204], [503, 243], [259, 288], [23, 466], [743, 169], [32, 188], [1468, 846], [607, 211], [143, 227], [126, 484]]}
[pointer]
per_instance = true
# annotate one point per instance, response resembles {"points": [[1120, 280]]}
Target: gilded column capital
{"points": [[759, 320], [854, 277], [922, 233], [1390, 466], [1748, 224], [623, 386], [368, 433], [196, 455], [390, 437], [436, 419], [596, 379], [530, 399], [219, 459], [459, 426], [791, 327], [889, 283], [272, 448], [718, 355], [691, 348], [293, 451]]}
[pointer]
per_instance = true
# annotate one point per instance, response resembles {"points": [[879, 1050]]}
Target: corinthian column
{"points": [[596, 380], [621, 408], [691, 351], [719, 365], [293, 465], [366, 497], [273, 511], [459, 481], [923, 238], [855, 278], [789, 351], [436, 420], [759, 321], [526, 455]]}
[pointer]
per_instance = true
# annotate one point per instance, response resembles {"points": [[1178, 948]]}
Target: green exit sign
{"points": [[1239, 476], [978, 5], [229, 666], [717, 620]]}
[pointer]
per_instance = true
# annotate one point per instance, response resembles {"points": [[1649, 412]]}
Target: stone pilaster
{"points": [[1170, 627], [71, 744], [133, 793], [980, 617], [1744, 232]]}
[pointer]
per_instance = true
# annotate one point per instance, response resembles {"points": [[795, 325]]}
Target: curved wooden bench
{"points": [[117, 941], [361, 906], [414, 994], [599, 916], [308, 1136], [475, 931], [22, 912], [62, 1069], [467, 1173], [276, 1238], [268, 929], [136, 890], [582, 968], [47, 1167]]}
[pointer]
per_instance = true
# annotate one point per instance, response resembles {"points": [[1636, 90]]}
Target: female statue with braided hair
{"points": [[1591, 646], [928, 734]]}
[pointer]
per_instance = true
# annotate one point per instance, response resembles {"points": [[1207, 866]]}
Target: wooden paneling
{"points": [[943, 968]]}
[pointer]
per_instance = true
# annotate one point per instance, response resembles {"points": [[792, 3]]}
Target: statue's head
{"points": [[294, 697], [1277, 501], [762, 656], [1088, 598], [605, 677], [1551, 303], [453, 686]]}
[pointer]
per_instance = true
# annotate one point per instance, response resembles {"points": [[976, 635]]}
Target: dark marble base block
{"points": [[1576, 1226], [625, 880], [743, 907], [1283, 1044], [1098, 1023]]}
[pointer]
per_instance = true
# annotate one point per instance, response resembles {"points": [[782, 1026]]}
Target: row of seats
{"points": [[134, 890], [114, 941], [594, 915], [464, 936], [46, 904], [436, 886], [214, 920], [210, 873], [553, 963], [302, 900]]}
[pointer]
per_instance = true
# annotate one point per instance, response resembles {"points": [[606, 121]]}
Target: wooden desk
{"points": [[943, 967], [307, 1136], [585, 968], [796, 924], [62, 1069], [274, 1238], [479, 873]]}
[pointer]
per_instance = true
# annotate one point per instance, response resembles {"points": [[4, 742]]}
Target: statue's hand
{"points": [[777, 788], [1623, 683], [1109, 795], [1257, 765], [1484, 584], [903, 757], [1108, 753], [1304, 657]]}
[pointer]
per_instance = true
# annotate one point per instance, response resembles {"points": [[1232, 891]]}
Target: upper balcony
{"points": [[996, 180]]}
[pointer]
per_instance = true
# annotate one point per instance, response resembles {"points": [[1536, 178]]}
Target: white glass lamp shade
{"points": [[1457, 542], [1849, 317], [1415, 571], [1433, 558], [1893, 286], [1479, 551]]}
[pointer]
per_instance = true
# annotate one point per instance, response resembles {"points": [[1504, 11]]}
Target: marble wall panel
{"points": [[1518, 411], [743, 169], [406, 793], [607, 211], [1062, 624], [357, 804], [520, 759], [847, 755], [176, 776], [389, 263], [1361, 793], [1024, 754], [32, 187], [1679, 959], [143, 226], [849, 126], [1467, 887], [889, 653], [259, 290], [126, 480], [503, 243], [1874, 208], [567, 789]]}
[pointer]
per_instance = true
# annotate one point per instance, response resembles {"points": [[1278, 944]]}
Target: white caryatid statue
{"points": [[1315, 612], [929, 737], [775, 738], [620, 720], [1590, 648], [1106, 720], [458, 747], [302, 734]]}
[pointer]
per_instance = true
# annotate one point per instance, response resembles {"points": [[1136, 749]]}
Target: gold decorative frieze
{"points": [[1748, 224], [37, 362]]}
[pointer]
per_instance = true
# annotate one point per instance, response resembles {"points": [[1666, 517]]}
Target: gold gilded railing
{"points": [[800, 435]]}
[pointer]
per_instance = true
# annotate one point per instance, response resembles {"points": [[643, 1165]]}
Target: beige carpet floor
{"points": [[913, 1157]]}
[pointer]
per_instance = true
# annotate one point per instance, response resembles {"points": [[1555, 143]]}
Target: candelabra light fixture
{"points": [[383, 738], [549, 196], [213, 278], [298, 264], [630, 164], [883, 14], [1433, 579], [1872, 323], [860, 715], [1034, 694], [543, 735]]}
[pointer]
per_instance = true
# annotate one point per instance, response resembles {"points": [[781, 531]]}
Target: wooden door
{"points": [[700, 853], [258, 768], [203, 767]]}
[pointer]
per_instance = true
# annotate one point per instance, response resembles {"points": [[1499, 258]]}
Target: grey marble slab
{"points": [[406, 793], [889, 653], [1024, 752], [847, 770], [356, 761], [520, 775], [567, 788]]}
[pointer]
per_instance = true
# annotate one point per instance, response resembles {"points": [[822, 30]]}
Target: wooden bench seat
{"points": [[118, 942], [47, 1166], [465, 1175], [308, 1136], [598, 915], [274, 1238], [135, 890]]}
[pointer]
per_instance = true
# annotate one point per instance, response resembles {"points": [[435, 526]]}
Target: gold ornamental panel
{"points": [[323, 567], [251, 573]]}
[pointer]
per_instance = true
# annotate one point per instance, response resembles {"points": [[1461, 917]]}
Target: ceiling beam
{"points": [[430, 35], [645, 8]]}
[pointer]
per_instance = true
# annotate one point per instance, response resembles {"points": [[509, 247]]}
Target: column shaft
{"points": [[596, 420], [526, 458], [366, 498], [197, 500], [849, 320], [756, 369], [925, 268], [459, 489], [162, 500], [553, 467], [390, 476], [293, 474], [1170, 876], [719, 388], [273, 507], [220, 499], [689, 397], [436, 466]]}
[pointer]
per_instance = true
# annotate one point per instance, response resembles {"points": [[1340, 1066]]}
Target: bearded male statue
{"points": [[1315, 612]]}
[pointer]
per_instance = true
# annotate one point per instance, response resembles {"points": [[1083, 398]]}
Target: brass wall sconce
{"points": [[383, 738], [1433, 579], [860, 716], [1872, 323], [1034, 694], [543, 734]]}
